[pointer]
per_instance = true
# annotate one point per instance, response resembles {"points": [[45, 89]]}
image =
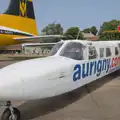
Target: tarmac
{"points": [[99, 100]]}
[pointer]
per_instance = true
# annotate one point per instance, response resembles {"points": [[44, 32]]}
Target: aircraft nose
{"points": [[10, 86]]}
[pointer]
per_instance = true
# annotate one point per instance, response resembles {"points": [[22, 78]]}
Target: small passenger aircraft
{"points": [[70, 65], [18, 24]]}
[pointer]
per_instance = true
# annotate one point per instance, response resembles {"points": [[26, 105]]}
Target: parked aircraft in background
{"points": [[70, 65], [18, 24]]}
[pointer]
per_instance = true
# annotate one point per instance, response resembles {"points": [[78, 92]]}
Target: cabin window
{"points": [[119, 46], [116, 51], [108, 52], [55, 49], [101, 52], [73, 50], [92, 52]]}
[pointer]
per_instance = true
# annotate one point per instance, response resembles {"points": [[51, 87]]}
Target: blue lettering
{"points": [[91, 68], [104, 65], [99, 68], [77, 74], [108, 65], [94, 67], [85, 70]]}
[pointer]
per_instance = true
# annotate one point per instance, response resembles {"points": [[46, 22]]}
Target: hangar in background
{"points": [[11, 49], [27, 48]]}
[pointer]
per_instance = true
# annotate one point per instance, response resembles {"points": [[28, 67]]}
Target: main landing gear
{"points": [[10, 112]]}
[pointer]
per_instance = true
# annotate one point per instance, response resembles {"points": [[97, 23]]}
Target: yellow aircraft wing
{"points": [[38, 38]]}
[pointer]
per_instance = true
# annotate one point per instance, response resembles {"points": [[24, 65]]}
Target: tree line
{"points": [[108, 31]]}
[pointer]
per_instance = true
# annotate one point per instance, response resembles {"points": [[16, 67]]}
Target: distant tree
{"points": [[93, 30], [53, 29], [115, 35], [110, 25], [108, 30], [86, 30], [72, 33]]}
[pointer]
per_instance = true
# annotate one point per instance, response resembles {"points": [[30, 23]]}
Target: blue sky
{"points": [[82, 13]]}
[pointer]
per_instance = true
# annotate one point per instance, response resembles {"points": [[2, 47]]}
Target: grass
{"points": [[18, 57]]}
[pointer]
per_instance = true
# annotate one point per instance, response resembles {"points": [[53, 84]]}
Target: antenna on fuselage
{"points": [[78, 35]]}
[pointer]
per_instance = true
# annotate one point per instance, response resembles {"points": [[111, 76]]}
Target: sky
{"points": [[69, 13]]}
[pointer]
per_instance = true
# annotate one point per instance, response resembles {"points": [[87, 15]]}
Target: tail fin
{"points": [[20, 15]]}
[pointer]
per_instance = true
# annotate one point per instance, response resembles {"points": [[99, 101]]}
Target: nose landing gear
{"points": [[10, 113]]}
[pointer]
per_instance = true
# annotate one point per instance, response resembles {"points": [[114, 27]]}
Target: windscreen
{"points": [[55, 48], [73, 50]]}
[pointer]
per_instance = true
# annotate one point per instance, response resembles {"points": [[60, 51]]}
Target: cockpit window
{"points": [[55, 48], [73, 50]]}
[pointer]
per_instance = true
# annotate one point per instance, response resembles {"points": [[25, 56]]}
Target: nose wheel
{"points": [[10, 113]]}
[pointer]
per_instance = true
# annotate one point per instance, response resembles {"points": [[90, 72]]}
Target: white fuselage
{"points": [[54, 75]]}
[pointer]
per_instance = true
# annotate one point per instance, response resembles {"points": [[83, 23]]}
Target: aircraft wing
{"points": [[38, 38], [35, 44]]}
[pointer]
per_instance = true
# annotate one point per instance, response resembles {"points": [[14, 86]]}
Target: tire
{"points": [[6, 114]]}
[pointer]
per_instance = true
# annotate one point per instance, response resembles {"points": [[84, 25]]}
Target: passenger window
{"points": [[116, 51], [108, 52], [101, 52], [73, 50], [119, 46], [92, 52]]}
